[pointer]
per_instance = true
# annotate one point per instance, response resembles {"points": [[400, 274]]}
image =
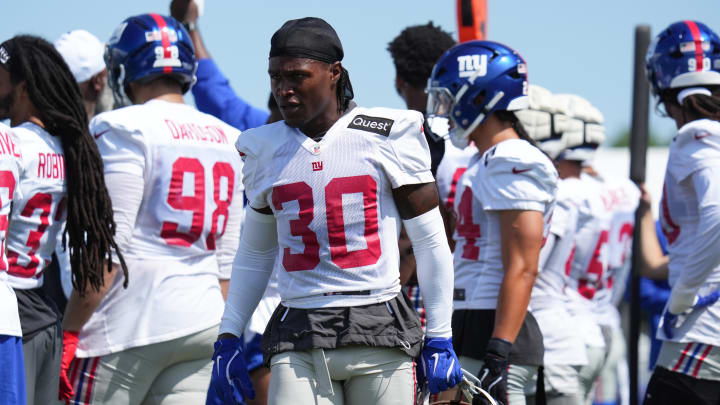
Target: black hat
{"points": [[308, 37]]}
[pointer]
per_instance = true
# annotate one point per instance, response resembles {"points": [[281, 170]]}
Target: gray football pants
{"points": [[591, 371], [42, 355], [521, 379], [352, 375]]}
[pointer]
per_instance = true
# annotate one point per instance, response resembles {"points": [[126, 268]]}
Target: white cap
{"points": [[83, 53]]}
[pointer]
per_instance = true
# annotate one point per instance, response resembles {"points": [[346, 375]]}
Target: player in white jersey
{"points": [[621, 196], [12, 372], [504, 202], [602, 251], [328, 188], [547, 123], [58, 177], [683, 66], [175, 183]]}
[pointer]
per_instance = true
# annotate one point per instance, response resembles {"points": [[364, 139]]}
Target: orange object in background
{"points": [[471, 20]]}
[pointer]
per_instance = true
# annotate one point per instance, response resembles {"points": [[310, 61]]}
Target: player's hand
{"points": [[230, 378], [184, 10], [701, 301], [440, 366], [70, 342], [493, 374]]}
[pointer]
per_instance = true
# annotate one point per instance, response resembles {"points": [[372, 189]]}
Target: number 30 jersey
{"points": [[190, 200], [38, 208], [512, 175], [337, 222]]}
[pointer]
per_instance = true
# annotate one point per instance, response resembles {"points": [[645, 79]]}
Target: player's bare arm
{"points": [[416, 199], [521, 234], [655, 263], [188, 12], [80, 308]]}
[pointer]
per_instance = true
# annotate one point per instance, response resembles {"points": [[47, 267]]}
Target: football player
{"points": [[504, 202], [12, 372], [588, 261], [547, 122], [175, 183], [620, 197], [683, 67], [59, 189], [328, 189], [414, 53]]}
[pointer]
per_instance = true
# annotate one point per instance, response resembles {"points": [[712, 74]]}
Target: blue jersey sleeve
{"points": [[213, 95]]}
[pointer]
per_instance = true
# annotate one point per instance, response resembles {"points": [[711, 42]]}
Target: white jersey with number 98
{"points": [[192, 196]]}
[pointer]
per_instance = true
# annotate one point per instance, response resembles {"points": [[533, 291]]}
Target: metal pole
{"points": [[638, 151]]}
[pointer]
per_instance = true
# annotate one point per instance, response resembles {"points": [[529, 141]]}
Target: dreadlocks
{"points": [[416, 50], [53, 91]]}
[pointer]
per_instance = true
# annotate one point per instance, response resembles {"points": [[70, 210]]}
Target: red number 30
{"points": [[339, 254]]}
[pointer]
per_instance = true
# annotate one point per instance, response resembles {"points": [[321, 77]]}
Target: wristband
{"points": [[498, 347]]}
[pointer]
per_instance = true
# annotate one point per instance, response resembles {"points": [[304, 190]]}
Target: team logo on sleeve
{"points": [[378, 125]]}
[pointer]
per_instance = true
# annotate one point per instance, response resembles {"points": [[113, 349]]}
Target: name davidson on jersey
{"points": [[192, 131]]}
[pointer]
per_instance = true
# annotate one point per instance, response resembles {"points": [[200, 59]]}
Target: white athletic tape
{"points": [[470, 386]]}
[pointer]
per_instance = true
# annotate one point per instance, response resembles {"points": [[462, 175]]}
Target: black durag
{"points": [[313, 38]]}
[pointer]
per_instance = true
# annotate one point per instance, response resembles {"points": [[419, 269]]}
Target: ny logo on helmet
{"points": [[472, 65]]}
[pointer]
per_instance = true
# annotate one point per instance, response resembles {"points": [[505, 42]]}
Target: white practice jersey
{"points": [[452, 166], [549, 286], [38, 213], [621, 197], [591, 256], [693, 152], [512, 175], [549, 303], [588, 260], [9, 154], [337, 222], [175, 252]]}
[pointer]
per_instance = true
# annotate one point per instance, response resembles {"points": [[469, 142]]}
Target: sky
{"points": [[571, 46]]}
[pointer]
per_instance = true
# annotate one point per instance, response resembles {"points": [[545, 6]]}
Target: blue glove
{"points": [[702, 301], [669, 320], [440, 366], [230, 378]]}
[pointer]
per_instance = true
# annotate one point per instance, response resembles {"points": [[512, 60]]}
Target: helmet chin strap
{"points": [[121, 98], [463, 137]]}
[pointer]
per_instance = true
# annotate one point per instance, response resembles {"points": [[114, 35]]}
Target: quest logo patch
{"points": [[378, 125]]}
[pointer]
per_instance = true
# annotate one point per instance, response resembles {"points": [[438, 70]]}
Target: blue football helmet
{"points": [[146, 46], [686, 54], [473, 79]]}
